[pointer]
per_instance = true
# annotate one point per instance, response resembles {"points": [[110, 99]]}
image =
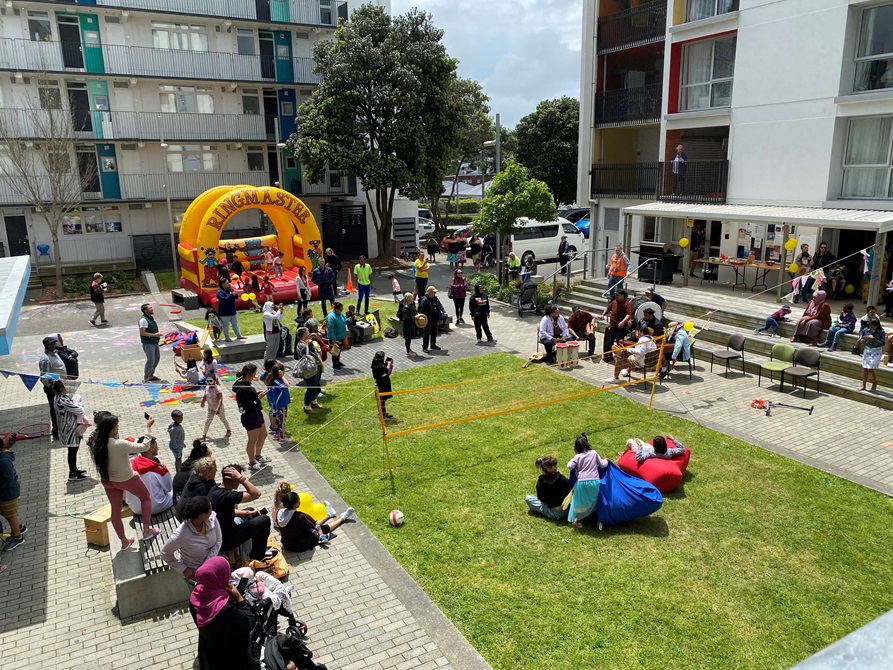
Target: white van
{"points": [[539, 240]]}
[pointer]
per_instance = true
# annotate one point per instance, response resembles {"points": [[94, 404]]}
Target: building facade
{"points": [[776, 104], [165, 98]]}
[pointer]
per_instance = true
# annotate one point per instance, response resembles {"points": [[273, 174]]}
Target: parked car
{"points": [[574, 214], [539, 240], [425, 226], [583, 226], [425, 213]]}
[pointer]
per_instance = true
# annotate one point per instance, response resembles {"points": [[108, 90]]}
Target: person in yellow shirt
{"points": [[363, 271], [421, 274]]}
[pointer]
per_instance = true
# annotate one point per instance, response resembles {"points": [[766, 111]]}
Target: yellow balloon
{"points": [[793, 267], [791, 244], [683, 242], [849, 289], [245, 297], [688, 326], [252, 296], [305, 502], [318, 511]]}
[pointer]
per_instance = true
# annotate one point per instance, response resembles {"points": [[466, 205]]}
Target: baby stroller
{"points": [[278, 650], [527, 300]]}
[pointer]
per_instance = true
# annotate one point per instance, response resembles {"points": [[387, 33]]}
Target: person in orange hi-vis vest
{"points": [[617, 269]]}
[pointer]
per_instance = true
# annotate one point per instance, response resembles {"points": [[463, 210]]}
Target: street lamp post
{"points": [[170, 213], [497, 144], [279, 145]]}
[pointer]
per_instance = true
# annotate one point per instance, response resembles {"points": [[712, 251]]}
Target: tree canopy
{"points": [[384, 110], [547, 144]]}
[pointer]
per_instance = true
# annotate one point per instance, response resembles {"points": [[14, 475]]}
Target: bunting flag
{"points": [[30, 381], [154, 391]]}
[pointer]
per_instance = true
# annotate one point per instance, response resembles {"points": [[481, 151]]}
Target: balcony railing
{"points": [[633, 27], [133, 61], [185, 185], [699, 181], [637, 181], [345, 186], [696, 181], [628, 106], [139, 126], [305, 12]]}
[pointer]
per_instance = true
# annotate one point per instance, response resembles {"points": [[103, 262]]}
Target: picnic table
{"points": [[761, 270]]}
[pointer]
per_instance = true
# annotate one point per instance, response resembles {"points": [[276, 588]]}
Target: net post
{"points": [[384, 438], [660, 360]]}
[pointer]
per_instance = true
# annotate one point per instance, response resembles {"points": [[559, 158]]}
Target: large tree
{"points": [[42, 166], [382, 110], [547, 145], [511, 196]]}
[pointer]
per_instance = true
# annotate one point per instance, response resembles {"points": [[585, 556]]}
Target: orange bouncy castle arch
{"points": [[201, 247]]}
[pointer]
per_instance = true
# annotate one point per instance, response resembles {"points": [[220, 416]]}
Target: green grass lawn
{"points": [[251, 323], [756, 562]]}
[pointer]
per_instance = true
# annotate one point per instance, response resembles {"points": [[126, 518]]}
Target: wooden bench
{"points": [[150, 552]]}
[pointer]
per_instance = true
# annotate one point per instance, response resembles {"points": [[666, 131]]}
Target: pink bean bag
{"points": [[665, 474]]}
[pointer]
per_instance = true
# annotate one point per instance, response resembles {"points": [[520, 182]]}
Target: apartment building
{"points": [[784, 110], [166, 98]]}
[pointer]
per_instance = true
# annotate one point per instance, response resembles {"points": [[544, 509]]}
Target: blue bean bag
{"points": [[622, 497]]}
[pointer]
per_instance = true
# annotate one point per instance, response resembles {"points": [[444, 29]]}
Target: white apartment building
{"points": [[784, 109], [168, 97]]}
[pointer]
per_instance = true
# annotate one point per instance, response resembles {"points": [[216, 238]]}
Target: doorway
{"points": [[852, 242], [273, 163], [70, 40], [79, 103], [88, 168], [267, 55], [17, 236], [262, 7], [271, 111]]}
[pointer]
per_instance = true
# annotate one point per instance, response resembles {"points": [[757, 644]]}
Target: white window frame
{"points": [[719, 7], [43, 18], [180, 36], [174, 99], [687, 86], [853, 167], [861, 78], [257, 150], [181, 158]]}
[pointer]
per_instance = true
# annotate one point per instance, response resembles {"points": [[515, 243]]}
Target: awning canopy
{"points": [[14, 275], [846, 219]]}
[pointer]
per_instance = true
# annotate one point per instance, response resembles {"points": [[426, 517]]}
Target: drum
{"points": [[561, 351], [421, 321], [573, 353], [639, 304]]}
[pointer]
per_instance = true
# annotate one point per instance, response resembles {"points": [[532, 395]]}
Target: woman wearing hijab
{"points": [[224, 619], [816, 317]]}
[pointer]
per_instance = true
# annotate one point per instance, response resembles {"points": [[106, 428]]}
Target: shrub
{"points": [[76, 285]]}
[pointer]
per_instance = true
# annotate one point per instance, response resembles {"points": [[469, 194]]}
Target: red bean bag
{"points": [[665, 474]]}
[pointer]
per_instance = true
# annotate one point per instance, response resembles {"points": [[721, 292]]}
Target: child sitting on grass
{"points": [[552, 488], [772, 320]]}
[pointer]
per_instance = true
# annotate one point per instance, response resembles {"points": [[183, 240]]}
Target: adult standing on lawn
{"points": [[458, 292], [97, 297], [334, 263], [421, 274], [363, 271], [432, 308], [479, 308], [150, 338], [302, 284], [51, 363], [226, 310], [324, 278], [272, 330], [69, 411]]}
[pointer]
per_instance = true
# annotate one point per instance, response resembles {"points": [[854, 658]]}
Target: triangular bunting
{"points": [[30, 381], [154, 391]]}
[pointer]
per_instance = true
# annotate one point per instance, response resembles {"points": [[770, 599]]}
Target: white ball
{"points": [[395, 518]]}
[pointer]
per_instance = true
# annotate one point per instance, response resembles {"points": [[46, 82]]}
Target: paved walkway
{"points": [[362, 608]]}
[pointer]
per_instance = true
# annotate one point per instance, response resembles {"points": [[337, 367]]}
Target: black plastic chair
{"points": [[734, 350], [806, 364]]}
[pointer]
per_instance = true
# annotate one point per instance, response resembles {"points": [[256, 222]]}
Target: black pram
{"points": [[527, 299], [278, 650]]}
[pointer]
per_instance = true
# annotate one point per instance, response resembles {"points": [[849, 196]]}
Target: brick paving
{"points": [[362, 608]]}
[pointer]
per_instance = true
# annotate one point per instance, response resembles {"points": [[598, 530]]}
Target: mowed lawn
{"points": [[252, 323], [756, 562]]}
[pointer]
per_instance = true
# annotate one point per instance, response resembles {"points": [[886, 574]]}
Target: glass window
{"points": [[250, 103], [245, 42], [192, 158], [182, 36], [708, 68], [549, 231], [187, 99], [92, 218], [50, 96], [334, 180], [288, 109], [256, 159], [569, 228], [874, 51], [325, 12], [867, 164], [703, 9], [39, 27], [59, 162]]}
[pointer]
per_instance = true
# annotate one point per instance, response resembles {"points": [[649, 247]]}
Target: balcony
{"points": [[633, 27], [140, 126], [185, 185], [634, 181], [306, 12], [335, 184], [629, 106], [127, 61], [699, 182]]}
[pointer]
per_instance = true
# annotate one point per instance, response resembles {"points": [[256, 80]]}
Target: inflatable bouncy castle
{"points": [[202, 250]]}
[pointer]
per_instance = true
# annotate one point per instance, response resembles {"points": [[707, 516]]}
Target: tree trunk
{"points": [[57, 256]]}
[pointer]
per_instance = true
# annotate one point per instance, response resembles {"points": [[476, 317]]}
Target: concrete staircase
{"points": [[841, 371]]}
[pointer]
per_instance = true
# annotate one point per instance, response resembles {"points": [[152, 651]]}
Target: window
{"points": [[874, 52], [250, 101], [707, 71], [49, 94], [192, 158], [703, 9], [245, 42], [58, 162], [867, 164], [39, 27], [288, 109], [256, 159], [183, 36], [325, 12], [92, 220], [569, 228], [187, 99]]}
